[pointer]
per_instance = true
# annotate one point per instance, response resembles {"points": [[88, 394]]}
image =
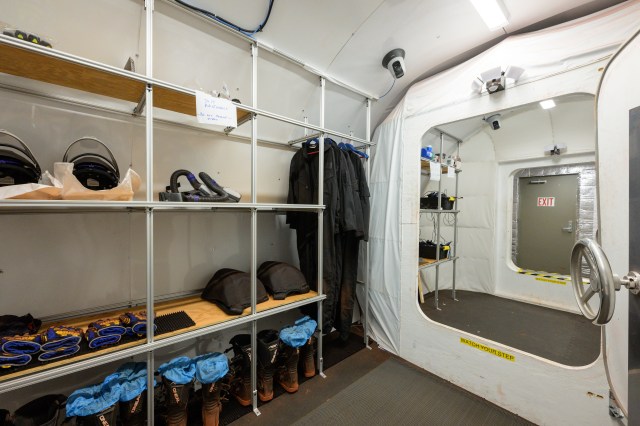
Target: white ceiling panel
{"points": [[348, 39]]}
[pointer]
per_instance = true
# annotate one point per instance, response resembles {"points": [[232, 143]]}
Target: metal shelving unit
{"points": [[132, 93], [437, 262]]}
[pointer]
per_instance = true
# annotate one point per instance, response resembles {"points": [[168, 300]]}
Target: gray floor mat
{"points": [[399, 394], [563, 337]]}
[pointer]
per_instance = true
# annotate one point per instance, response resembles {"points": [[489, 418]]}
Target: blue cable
{"points": [[248, 33]]}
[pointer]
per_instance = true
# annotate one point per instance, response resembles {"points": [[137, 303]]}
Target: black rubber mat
{"points": [[174, 321], [334, 352], [559, 336], [165, 324], [397, 393]]}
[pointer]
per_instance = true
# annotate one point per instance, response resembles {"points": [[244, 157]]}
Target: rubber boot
{"points": [[177, 399], [134, 412], [106, 417], [241, 387], [211, 405], [308, 358], [288, 369], [267, 353]]}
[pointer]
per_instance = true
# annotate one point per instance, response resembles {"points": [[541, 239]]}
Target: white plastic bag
{"points": [[72, 189], [49, 189]]}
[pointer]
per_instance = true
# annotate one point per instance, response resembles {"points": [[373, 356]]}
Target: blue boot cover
{"points": [[11, 360], [58, 353], [110, 326], [27, 344], [140, 329], [94, 399], [133, 379], [60, 337], [179, 370], [297, 335], [211, 367], [97, 340], [307, 324]]}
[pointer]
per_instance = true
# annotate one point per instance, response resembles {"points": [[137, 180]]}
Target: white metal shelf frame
{"points": [[150, 206], [439, 212]]}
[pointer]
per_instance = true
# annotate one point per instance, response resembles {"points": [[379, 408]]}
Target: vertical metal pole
{"points": [[149, 6], [455, 230], [367, 284], [438, 222], [254, 224], [320, 226]]}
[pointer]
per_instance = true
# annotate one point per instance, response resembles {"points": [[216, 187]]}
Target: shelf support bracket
{"points": [[139, 109]]}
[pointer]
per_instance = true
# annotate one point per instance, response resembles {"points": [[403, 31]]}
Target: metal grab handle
{"points": [[602, 281], [569, 227]]}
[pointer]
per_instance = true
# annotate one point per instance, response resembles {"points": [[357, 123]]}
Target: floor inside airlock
{"points": [[373, 387], [559, 336]]}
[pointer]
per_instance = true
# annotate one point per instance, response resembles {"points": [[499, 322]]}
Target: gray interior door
{"points": [[547, 222]]}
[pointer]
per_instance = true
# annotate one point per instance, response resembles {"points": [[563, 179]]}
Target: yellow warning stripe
{"points": [[556, 277], [547, 280], [488, 349]]}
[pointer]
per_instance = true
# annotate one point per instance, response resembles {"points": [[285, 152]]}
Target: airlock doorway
{"points": [[547, 221]]}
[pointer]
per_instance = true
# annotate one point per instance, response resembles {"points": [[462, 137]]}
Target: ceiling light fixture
{"points": [[548, 104], [492, 12]]}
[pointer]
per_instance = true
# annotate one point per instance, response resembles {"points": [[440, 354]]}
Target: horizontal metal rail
{"points": [[305, 138], [440, 262], [436, 211], [98, 360], [155, 205]]}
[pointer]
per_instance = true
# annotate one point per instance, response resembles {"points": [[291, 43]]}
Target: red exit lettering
{"points": [[546, 201]]}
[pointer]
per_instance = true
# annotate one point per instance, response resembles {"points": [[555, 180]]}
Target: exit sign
{"points": [[546, 201]]}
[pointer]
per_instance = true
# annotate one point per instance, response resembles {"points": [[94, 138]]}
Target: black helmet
{"points": [[93, 169], [17, 163], [282, 279]]}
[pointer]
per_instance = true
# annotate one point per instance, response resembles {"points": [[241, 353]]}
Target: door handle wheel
{"points": [[602, 281]]}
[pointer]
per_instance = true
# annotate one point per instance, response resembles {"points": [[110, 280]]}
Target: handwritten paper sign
{"points": [[435, 171], [212, 110]]}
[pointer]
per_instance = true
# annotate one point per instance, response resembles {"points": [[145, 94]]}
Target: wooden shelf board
{"points": [[424, 261], [203, 313], [48, 69], [36, 66]]}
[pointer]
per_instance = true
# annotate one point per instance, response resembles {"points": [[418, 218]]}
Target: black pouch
{"points": [[427, 250], [431, 201], [230, 289], [282, 279]]}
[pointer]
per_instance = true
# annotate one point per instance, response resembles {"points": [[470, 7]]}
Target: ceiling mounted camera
{"points": [[494, 121], [394, 62]]}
